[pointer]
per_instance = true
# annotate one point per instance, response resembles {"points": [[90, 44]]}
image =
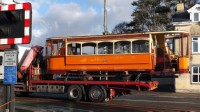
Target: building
{"points": [[190, 21]]}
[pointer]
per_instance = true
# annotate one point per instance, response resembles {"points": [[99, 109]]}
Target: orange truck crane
{"points": [[97, 68]]}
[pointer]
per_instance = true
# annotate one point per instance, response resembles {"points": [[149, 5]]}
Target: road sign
{"points": [[10, 58], [10, 67], [10, 75]]}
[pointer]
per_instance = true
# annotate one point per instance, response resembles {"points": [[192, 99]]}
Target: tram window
{"points": [[140, 46], [61, 49], [55, 48], [61, 44], [105, 48], [89, 49], [179, 48], [185, 47], [122, 47], [74, 49], [170, 45], [48, 48]]}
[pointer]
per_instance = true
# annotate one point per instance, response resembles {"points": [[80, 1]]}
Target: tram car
{"points": [[102, 67]]}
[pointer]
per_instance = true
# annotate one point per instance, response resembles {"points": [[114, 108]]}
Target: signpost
{"points": [[2, 97], [10, 76], [10, 67]]}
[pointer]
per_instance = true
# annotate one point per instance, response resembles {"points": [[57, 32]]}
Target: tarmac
{"points": [[19, 107]]}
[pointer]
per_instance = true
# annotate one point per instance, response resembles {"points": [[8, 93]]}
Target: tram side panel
{"points": [[102, 62]]}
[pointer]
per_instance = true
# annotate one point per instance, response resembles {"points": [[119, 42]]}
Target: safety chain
{"points": [[7, 103]]}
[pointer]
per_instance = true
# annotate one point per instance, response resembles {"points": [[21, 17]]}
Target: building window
{"points": [[196, 74], [195, 45], [196, 16]]}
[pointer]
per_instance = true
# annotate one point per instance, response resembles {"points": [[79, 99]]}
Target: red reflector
{"points": [[152, 51]]}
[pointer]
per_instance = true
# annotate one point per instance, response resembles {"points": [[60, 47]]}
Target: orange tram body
{"points": [[106, 66]]}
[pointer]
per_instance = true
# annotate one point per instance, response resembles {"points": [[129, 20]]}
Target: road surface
{"points": [[137, 102]]}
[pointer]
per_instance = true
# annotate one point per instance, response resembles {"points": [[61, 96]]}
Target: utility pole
{"points": [[105, 20]]}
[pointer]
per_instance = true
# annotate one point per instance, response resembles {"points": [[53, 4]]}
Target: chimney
{"points": [[180, 7]]}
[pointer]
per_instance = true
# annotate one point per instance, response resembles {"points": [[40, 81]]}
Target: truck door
{"points": [[1, 65]]}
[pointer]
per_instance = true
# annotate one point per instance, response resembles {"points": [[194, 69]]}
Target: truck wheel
{"points": [[74, 93], [97, 93]]}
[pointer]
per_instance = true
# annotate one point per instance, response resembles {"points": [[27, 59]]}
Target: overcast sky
{"points": [[58, 18]]}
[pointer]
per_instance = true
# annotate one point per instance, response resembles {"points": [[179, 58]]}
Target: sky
{"points": [[61, 18]]}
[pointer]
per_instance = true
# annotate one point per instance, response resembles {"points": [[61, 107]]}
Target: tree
{"points": [[126, 27], [152, 15], [156, 15], [120, 28]]}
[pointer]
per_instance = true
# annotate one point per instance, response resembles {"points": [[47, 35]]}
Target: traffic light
{"points": [[12, 24], [15, 23]]}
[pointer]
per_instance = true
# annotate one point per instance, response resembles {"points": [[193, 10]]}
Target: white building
{"points": [[191, 82], [195, 44]]}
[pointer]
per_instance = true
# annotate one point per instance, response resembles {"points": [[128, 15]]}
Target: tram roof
{"points": [[125, 36]]}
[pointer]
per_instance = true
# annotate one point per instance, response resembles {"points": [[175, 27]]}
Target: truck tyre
{"points": [[97, 93], [74, 93]]}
